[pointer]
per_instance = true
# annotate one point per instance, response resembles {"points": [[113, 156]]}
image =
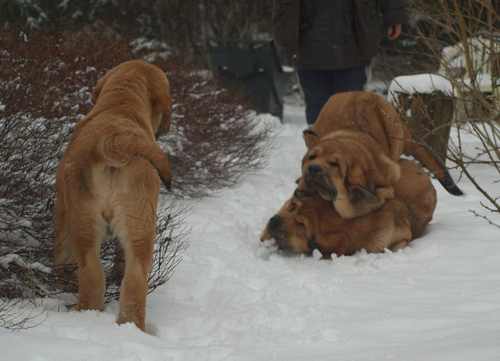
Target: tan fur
{"points": [[366, 132], [352, 172], [307, 221], [366, 113], [108, 184]]}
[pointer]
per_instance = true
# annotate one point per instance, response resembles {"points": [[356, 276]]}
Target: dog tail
{"points": [[431, 160], [120, 147]]}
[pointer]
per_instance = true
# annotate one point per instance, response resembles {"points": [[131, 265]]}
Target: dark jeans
{"points": [[319, 85]]}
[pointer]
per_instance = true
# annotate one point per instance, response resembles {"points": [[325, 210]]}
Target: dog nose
{"points": [[314, 169], [274, 222]]}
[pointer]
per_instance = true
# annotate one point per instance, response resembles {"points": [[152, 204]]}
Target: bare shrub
{"points": [[45, 88], [461, 41], [184, 24], [45, 85], [15, 314], [214, 137]]}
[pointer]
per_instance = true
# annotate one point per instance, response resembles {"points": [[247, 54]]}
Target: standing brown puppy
{"points": [[108, 184]]}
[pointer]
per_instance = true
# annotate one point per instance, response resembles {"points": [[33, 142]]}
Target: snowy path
{"points": [[438, 299]]}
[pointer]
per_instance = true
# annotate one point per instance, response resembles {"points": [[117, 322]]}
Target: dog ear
{"points": [[359, 185], [306, 223], [309, 231], [100, 84], [356, 175], [97, 89], [357, 194], [165, 109], [161, 102], [310, 138]]}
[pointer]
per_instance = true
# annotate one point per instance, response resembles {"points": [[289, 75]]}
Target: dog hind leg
{"points": [[137, 230], [64, 257], [91, 279], [134, 288]]}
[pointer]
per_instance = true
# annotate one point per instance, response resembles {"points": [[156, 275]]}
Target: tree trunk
{"points": [[430, 118]]}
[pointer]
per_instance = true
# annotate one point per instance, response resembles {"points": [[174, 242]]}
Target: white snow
{"points": [[484, 82], [231, 299], [420, 83], [481, 53]]}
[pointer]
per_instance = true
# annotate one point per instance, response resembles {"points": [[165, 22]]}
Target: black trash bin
{"points": [[254, 64]]}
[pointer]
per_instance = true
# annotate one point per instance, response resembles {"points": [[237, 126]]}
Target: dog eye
{"points": [[334, 164], [292, 208], [312, 157]]}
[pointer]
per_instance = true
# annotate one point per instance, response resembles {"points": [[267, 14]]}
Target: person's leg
{"points": [[316, 85], [348, 79]]}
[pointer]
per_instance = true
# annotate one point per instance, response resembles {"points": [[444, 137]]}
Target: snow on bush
{"points": [[420, 84]]}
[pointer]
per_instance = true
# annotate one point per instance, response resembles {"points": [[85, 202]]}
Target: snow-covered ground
{"points": [[438, 299]]}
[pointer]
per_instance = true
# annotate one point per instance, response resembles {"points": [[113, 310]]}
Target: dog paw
{"points": [[316, 254], [151, 329]]}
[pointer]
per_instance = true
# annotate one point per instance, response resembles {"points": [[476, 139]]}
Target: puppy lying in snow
{"points": [[307, 221]]}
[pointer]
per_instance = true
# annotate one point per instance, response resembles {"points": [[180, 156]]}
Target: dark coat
{"points": [[332, 34]]}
